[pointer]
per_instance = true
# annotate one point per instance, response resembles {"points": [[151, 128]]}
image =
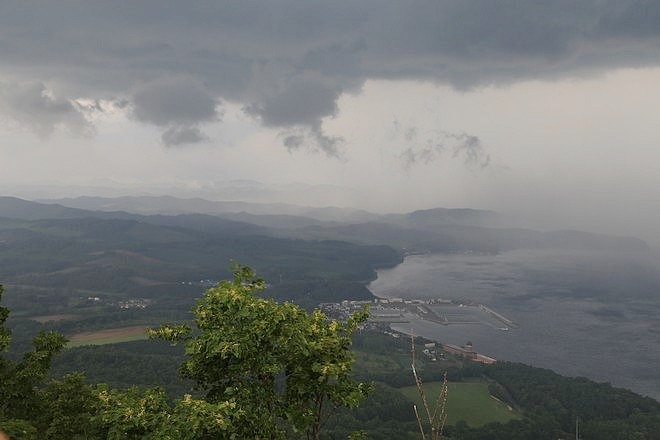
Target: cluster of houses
{"points": [[203, 283], [131, 303], [134, 303]]}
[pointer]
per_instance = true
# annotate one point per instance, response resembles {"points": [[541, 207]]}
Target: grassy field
{"points": [[468, 401], [375, 362], [109, 336]]}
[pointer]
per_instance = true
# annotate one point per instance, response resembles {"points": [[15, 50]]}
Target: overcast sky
{"points": [[549, 108]]}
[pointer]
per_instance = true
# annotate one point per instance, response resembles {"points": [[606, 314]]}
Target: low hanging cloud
{"points": [[313, 139], [288, 61], [176, 100], [177, 104], [298, 102], [426, 147], [33, 106], [303, 99], [175, 136]]}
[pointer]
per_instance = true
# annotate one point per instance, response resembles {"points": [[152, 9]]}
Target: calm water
{"points": [[579, 313]]}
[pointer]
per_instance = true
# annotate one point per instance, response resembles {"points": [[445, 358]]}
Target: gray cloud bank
{"points": [[287, 61], [31, 105]]}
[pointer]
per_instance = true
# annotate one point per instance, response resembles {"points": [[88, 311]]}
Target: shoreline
{"points": [[567, 334]]}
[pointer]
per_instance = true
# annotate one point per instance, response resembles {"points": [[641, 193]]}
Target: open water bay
{"points": [[580, 313]]}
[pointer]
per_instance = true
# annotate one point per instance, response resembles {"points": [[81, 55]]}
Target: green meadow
{"points": [[467, 401]]}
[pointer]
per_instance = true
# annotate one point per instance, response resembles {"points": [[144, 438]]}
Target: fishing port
{"points": [[438, 311]]}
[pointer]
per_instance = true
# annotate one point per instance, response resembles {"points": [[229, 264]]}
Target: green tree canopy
{"points": [[21, 396], [274, 365]]}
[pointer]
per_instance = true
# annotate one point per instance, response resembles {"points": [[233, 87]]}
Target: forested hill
{"points": [[128, 257], [12, 207], [49, 248], [52, 264]]}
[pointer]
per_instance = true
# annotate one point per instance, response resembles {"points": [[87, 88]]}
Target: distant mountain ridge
{"points": [[169, 205], [433, 230], [13, 207]]}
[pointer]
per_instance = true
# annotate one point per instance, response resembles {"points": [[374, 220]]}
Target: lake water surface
{"points": [[580, 313]]}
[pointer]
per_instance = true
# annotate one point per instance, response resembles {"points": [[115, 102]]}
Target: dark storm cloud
{"points": [[178, 103], [303, 99], [175, 136], [174, 101], [34, 107], [287, 61], [633, 20]]}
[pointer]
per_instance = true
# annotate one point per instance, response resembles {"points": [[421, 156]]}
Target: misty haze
{"points": [[497, 157]]}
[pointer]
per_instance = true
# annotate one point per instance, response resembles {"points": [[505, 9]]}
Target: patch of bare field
{"points": [[60, 317], [109, 336]]}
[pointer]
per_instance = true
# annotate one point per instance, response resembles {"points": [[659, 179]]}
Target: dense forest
{"points": [[48, 260]]}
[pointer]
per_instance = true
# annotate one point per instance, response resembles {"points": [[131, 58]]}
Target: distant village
{"points": [[384, 312], [130, 303]]}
